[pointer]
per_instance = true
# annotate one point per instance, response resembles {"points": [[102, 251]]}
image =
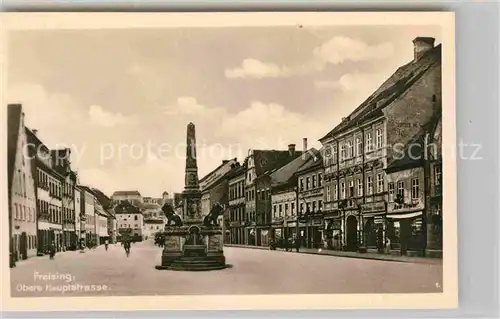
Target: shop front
{"points": [[297, 229], [333, 233], [314, 232], [374, 225], [277, 231], [291, 230], [404, 228], [264, 236]]}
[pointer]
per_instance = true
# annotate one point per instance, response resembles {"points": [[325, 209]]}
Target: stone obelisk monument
{"points": [[192, 192], [192, 244]]}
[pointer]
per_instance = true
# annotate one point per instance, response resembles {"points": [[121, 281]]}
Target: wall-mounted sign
{"points": [[395, 207], [317, 191], [373, 207]]}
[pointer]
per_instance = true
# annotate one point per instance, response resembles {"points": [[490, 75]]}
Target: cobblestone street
{"points": [[252, 271]]}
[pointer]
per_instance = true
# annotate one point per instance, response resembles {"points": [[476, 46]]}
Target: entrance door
{"points": [[23, 246], [370, 233], [317, 238], [352, 233], [405, 235]]}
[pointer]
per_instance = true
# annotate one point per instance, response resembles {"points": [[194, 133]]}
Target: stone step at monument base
{"points": [[191, 263], [196, 264]]}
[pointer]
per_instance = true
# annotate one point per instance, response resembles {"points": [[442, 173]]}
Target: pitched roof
{"points": [[414, 155], [33, 139], [87, 189], [14, 114], [267, 161], [238, 171], [398, 83], [283, 174], [224, 162], [101, 197], [126, 193], [313, 162], [125, 207]]}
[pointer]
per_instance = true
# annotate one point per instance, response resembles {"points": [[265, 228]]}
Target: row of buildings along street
{"points": [[47, 205], [375, 184], [355, 193]]}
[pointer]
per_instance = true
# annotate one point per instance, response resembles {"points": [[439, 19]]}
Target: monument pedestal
{"points": [[193, 248]]}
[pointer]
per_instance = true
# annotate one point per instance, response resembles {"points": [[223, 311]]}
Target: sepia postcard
{"points": [[228, 161]]}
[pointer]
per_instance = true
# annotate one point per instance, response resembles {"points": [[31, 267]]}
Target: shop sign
{"points": [[395, 207], [294, 224], [316, 191], [373, 207]]}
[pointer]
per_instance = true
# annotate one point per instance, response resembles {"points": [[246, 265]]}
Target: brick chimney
{"points": [[291, 149], [34, 132], [304, 144], [421, 45]]}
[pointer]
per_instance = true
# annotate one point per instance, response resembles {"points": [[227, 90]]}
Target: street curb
{"points": [[430, 261]]}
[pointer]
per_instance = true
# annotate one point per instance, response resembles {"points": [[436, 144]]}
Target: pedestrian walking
{"points": [[52, 250], [106, 244], [126, 245], [297, 244]]}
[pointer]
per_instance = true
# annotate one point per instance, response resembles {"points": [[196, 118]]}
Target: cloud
{"points": [[336, 50], [252, 68], [355, 81], [269, 126], [98, 116], [43, 108], [341, 49]]}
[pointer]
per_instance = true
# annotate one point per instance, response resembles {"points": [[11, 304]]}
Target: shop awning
{"points": [[366, 215], [403, 216]]}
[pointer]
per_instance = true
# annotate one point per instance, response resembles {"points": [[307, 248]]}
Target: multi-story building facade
{"points": [[357, 151], [434, 190], [111, 224], [151, 227], [237, 218], [413, 218], [284, 224], [88, 216], [21, 188], [101, 223], [62, 164], [48, 195], [153, 211], [310, 201], [130, 220], [260, 164], [214, 186], [79, 227]]}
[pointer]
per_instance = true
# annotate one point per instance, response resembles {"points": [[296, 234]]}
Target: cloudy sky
{"points": [[121, 99]]}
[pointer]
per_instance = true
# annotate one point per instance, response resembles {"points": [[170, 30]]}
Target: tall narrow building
{"points": [[21, 188]]}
